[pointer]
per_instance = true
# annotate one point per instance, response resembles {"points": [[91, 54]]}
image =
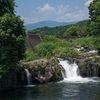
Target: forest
{"points": [[59, 30]]}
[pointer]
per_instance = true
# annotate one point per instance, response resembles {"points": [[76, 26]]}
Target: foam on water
{"points": [[92, 51], [70, 73]]}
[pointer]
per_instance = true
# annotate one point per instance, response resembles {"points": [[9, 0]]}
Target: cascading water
{"points": [[70, 72], [28, 79]]}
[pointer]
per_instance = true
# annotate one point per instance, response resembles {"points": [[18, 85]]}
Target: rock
{"points": [[43, 70], [13, 79]]}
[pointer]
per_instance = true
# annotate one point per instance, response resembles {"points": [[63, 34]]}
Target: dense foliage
{"points": [[12, 39], [29, 56], [68, 53], [43, 49], [56, 31], [55, 41], [72, 31], [94, 27], [52, 46], [97, 44], [7, 6], [83, 41]]}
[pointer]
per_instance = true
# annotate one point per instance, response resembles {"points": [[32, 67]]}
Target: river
{"points": [[55, 91], [72, 87]]}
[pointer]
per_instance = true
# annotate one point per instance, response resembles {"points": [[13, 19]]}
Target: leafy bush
{"points": [[29, 56], [70, 40], [57, 51], [83, 41], [68, 52], [56, 41], [96, 44], [44, 48]]}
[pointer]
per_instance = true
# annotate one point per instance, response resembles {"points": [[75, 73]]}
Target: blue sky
{"points": [[32, 11]]}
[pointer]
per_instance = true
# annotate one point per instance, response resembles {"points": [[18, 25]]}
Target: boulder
{"points": [[43, 70], [13, 79]]}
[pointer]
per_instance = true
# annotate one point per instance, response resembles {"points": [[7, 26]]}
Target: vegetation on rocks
{"points": [[83, 41]]}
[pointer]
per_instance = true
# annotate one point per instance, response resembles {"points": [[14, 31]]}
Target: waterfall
{"points": [[28, 76], [70, 72]]}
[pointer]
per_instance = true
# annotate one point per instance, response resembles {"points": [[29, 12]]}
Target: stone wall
{"points": [[32, 40]]}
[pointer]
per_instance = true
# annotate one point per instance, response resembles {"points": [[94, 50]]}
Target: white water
{"points": [[70, 73], [28, 79], [91, 51]]}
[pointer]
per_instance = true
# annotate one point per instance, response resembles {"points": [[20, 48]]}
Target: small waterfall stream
{"points": [[28, 79], [70, 72]]}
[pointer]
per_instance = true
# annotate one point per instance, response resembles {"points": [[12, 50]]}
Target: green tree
{"points": [[12, 41], [72, 31], [7, 6], [94, 12]]}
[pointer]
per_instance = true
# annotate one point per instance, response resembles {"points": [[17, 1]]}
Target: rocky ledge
{"points": [[89, 64], [43, 70]]}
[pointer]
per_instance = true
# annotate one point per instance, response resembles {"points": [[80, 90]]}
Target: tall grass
{"points": [[83, 41], [66, 52], [29, 56]]}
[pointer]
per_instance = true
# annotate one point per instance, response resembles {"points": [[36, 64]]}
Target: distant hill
{"points": [[47, 23], [56, 31]]}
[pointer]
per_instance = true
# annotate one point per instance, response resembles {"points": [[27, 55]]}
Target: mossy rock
{"points": [[46, 69], [36, 68]]}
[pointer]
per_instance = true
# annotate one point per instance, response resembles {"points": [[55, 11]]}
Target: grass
{"points": [[83, 41], [29, 56]]}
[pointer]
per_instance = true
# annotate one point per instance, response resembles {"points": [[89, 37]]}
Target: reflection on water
{"points": [[55, 91]]}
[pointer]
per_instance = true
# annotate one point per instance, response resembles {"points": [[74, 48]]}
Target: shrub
{"points": [[96, 44], [83, 41], [70, 40], [44, 48], [55, 41], [68, 52], [29, 56]]}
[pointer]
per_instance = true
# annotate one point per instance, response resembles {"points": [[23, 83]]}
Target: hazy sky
{"points": [[32, 11]]}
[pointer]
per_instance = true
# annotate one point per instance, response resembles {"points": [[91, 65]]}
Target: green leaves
{"points": [[12, 41], [68, 53], [44, 48], [7, 6], [73, 31], [12, 25]]}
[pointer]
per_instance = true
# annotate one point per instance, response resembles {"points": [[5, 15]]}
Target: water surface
{"points": [[62, 90]]}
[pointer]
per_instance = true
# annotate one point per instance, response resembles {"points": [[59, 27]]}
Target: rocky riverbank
{"points": [[41, 71], [44, 71], [89, 64]]}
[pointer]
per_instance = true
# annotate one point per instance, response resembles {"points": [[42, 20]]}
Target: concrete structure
{"points": [[32, 40]]}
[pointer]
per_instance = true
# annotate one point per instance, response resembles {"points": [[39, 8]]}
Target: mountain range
{"points": [[47, 23]]}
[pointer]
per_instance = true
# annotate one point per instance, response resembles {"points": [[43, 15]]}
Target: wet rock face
{"points": [[89, 64], [43, 70], [13, 79]]}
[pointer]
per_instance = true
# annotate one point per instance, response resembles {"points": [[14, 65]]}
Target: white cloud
{"points": [[61, 9], [29, 20], [70, 17], [88, 2], [45, 8]]}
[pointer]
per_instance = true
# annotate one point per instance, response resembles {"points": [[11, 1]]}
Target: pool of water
{"points": [[62, 90]]}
